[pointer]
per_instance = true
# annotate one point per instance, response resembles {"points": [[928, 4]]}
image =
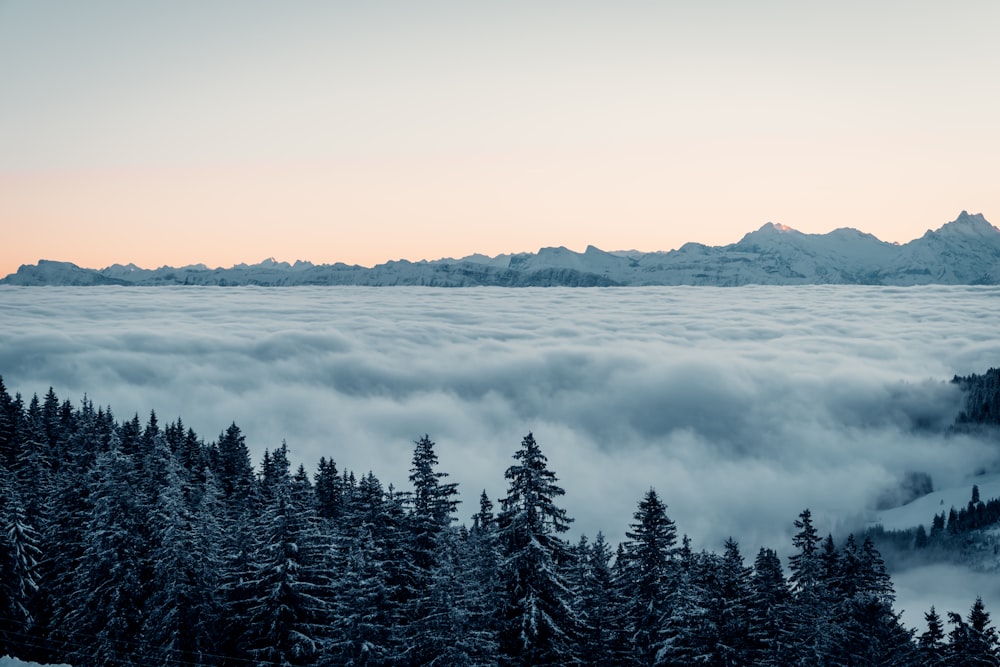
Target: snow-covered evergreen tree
{"points": [[19, 557], [808, 632], [972, 643], [290, 599], [374, 575], [600, 608], [651, 573], [931, 643], [769, 601], [111, 582], [184, 609], [538, 624]]}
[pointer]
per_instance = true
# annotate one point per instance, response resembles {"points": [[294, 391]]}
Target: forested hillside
{"points": [[982, 398], [139, 543]]}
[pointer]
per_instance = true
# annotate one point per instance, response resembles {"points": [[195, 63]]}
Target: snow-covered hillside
{"points": [[6, 661], [922, 510], [965, 251]]}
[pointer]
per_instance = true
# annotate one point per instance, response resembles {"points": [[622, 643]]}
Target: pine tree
{"points": [[456, 628], [921, 540], [329, 490], [974, 643], [109, 598], [184, 607], [688, 633], [367, 596], [290, 601], [728, 608], [538, 626], [808, 633], [870, 631], [433, 504], [431, 512], [231, 465], [931, 642], [480, 564], [600, 611], [19, 558], [67, 510], [484, 519], [769, 602], [651, 571], [10, 417]]}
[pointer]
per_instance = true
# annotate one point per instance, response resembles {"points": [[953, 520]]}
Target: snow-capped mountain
{"points": [[965, 251]]}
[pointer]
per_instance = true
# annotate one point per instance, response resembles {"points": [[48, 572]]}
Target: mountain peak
{"points": [[776, 227], [769, 231], [966, 225]]}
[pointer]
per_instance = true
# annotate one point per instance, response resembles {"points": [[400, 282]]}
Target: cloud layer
{"points": [[741, 406]]}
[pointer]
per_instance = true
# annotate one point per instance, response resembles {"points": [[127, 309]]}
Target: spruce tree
{"points": [[367, 611], [19, 560], [599, 607], [231, 465], [184, 607], [432, 503], [870, 631], [931, 642], [769, 606], [480, 563], [432, 507], [291, 597], [538, 625], [972, 643], [329, 490], [651, 572], [688, 635], [108, 602], [809, 633], [728, 608]]}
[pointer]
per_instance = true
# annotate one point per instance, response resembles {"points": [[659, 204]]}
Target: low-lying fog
{"points": [[741, 406]]}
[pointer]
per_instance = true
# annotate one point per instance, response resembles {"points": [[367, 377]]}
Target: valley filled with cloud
{"points": [[740, 406]]}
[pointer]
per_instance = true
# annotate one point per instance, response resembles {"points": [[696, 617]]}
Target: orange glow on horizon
{"points": [[370, 212]]}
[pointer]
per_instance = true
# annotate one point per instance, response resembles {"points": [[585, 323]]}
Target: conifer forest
{"points": [[136, 542]]}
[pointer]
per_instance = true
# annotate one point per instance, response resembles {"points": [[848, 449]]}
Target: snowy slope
{"points": [[922, 510], [964, 251]]}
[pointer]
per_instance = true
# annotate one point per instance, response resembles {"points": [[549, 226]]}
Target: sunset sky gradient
{"points": [[230, 131]]}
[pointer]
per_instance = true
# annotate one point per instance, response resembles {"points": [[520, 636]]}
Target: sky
{"points": [[740, 406], [172, 133]]}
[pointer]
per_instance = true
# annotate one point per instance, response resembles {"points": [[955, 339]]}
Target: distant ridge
{"points": [[965, 251]]}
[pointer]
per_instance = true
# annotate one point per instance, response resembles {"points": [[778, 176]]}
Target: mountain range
{"points": [[965, 251]]}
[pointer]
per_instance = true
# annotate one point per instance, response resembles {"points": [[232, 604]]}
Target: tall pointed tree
{"points": [[600, 609], [291, 601], [432, 507], [109, 599], [769, 600], [19, 557], [184, 607], [432, 503], [931, 642], [808, 633], [651, 572], [538, 626], [972, 643]]}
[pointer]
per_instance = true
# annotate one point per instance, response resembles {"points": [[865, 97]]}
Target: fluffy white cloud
{"points": [[741, 406]]}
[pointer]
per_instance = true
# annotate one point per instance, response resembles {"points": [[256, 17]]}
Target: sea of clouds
{"points": [[741, 406]]}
